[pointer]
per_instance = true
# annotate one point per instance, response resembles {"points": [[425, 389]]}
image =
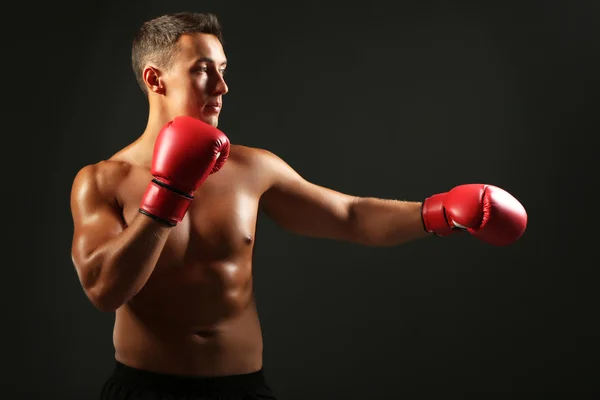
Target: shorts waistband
{"points": [[187, 384]]}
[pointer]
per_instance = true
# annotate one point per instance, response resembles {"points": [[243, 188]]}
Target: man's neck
{"points": [[156, 121], [145, 143]]}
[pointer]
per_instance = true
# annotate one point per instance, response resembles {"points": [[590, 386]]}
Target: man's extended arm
{"points": [[381, 222], [485, 211], [312, 210]]}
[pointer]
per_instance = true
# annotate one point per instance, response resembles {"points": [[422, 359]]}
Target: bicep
{"points": [[95, 219], [304, 207]]}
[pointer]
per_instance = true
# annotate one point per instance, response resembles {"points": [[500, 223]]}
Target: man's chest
{"points": [[219, 224]]}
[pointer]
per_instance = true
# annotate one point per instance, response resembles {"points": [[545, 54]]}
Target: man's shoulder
{"points": [[250, 156], [105, 175], [111, 168]]}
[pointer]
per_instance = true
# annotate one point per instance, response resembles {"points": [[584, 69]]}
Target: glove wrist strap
{"points": [[434, 216], [164, 203]]}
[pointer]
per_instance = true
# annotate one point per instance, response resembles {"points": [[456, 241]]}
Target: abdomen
{"points": [[199, 321], [197, 295]]}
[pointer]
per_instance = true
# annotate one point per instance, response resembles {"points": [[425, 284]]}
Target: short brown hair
{"points": [[156, 40]]}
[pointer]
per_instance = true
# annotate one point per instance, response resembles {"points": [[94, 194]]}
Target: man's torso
{"points": [[196, 314]]}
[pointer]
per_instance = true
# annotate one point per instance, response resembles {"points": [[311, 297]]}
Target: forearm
{"points": [[123, 265], [381, 222]]}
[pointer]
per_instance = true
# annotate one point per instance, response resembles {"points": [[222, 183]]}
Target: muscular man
{"points": [[164, 229]]}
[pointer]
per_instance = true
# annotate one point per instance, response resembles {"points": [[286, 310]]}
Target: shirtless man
{"points": [[164, 229]]}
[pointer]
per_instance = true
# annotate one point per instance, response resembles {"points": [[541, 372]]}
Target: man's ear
{"points": [[153, 79]]}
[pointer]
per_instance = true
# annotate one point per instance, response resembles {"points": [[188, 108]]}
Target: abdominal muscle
{"points": [[188, 322]]}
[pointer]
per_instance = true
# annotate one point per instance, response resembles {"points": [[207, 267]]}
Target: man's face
{"points": [[194, 84]]}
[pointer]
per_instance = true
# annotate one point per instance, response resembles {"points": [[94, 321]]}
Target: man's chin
{"points": [[212, 120]]}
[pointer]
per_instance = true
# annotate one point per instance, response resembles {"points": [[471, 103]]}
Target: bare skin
{"points": [[183, 295]]}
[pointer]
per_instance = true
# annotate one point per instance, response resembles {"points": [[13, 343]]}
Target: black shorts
{"points": [[127, 383]]}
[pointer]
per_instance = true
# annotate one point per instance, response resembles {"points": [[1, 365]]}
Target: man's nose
{"points": [[220, 87]]}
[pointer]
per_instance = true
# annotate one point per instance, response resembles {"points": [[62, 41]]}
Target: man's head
{"points": [[179, 62]]}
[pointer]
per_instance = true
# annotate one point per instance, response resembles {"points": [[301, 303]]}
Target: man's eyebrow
{"points": [[209, 60]]}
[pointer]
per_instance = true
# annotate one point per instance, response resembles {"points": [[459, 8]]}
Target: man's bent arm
{"points": [[113, 262]]}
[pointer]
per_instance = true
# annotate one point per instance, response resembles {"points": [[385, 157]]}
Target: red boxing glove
{"points": [[486, 212], [186, 152]]}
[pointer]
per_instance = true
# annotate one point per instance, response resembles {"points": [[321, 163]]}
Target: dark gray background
{"points": [[388, 99]]}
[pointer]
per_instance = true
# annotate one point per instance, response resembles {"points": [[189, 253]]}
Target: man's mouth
{"points": [[212, 108]]}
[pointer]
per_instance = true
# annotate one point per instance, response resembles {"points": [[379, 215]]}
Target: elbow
{"points": [[96, 287], [102, 299]]}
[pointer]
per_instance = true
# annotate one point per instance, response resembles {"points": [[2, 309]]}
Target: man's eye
{"points": [[222, 71], [202, 69]]}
